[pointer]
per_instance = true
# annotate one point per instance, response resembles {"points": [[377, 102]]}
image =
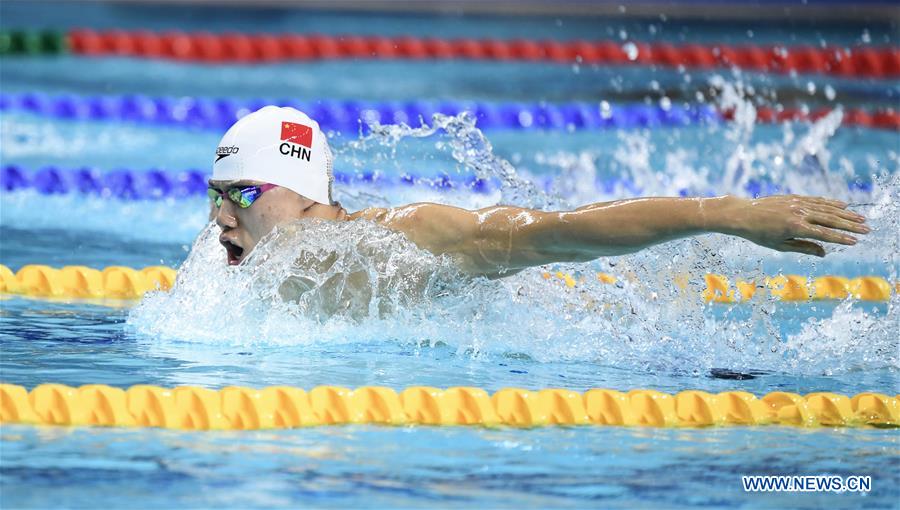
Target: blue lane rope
{"points": [[159, 184], [338, 115]]}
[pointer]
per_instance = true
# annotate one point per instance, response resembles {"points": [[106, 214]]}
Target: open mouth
{"points": [[234, 251]]}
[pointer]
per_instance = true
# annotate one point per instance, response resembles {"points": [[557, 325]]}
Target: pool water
{"points": [[219, 326]]}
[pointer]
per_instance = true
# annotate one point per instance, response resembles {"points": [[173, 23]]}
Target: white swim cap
{"points": [[280, 146]]}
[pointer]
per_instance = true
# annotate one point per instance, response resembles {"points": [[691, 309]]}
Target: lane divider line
{"points": [[351, 116], [156, 184], [279, 407], [861, 62]]}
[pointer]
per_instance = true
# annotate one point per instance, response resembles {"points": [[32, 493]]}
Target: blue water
{"points": [[454, 467], [520, 332]]}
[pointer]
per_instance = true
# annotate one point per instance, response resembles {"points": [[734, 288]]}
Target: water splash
{"points": [[309, 272], [470, 148], [849, 333]]}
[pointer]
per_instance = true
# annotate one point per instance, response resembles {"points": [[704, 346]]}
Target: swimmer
{"points": [[274, 166]]}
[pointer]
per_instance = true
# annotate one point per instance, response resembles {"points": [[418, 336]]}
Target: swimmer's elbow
{"points": [[549, 237], [510, 239]]}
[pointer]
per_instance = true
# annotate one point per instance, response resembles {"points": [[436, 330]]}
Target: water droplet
{"points": [[631, 50], [830, 94], [605, 110]]}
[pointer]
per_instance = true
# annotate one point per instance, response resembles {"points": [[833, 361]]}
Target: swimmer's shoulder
{"points": [[435, 227], [403, 218], [373, 214], [399, 219]]}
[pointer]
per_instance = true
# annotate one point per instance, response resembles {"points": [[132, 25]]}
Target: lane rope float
{"points": [[860, 62], [351, 115], [80, 282], [277, 407], [120, 282], [155, 184]]}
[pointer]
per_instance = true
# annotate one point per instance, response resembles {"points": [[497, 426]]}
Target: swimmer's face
{"points": [[243, 228]]}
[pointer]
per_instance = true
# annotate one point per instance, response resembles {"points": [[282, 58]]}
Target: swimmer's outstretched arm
{"points": [[498, 239]]}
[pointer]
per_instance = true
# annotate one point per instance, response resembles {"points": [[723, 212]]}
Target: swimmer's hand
{"points": [[785, 222]]}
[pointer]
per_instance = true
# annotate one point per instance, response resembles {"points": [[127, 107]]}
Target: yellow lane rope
{"points": [[119, 282], [784, 287], [238, 408], [114, 282]]}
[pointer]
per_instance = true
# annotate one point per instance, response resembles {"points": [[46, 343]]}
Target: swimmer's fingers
{"points": [[801, 246], [834, 221], [826, 234], [837, 211], [822, 201]]}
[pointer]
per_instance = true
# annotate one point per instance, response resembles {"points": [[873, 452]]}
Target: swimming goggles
{"points": [[243, 196]]}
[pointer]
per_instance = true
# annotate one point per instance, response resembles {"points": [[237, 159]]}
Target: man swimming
{"points": [[274, 166]]}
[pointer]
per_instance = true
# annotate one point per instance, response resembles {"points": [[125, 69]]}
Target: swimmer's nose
{"points": [[225, 217]]}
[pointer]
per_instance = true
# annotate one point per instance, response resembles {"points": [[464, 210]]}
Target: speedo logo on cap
{"points": [[297, 140], [224, 152]]}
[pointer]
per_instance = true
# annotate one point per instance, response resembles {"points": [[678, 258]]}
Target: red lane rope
{"points": [[867, 62], [880, 119]]}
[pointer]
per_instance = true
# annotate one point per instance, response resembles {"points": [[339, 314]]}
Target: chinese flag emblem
{"points": [[297, 133]]}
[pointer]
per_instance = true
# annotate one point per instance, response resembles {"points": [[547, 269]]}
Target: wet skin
{"points": [[501, 240]]}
